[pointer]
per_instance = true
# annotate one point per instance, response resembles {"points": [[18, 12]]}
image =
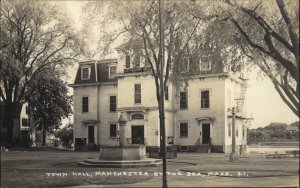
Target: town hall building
{"points": [[196, 116]]}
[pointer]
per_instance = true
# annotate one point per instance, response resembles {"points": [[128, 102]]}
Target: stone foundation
{"points": [[122, 153]]}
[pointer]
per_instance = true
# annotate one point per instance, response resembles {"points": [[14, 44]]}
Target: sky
{"points": [[262, 100]]}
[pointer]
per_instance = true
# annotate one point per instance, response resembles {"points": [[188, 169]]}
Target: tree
{"points": [[266, 33], [49, 102], [163, 36], [34, 38], [65, 135]]}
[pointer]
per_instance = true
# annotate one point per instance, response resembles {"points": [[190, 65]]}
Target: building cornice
{"points": [[93, 84]]}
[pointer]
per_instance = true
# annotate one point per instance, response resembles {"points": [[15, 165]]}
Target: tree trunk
{"points": [[13, 111]]}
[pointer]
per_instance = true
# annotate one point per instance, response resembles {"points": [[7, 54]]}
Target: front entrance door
{"points": [[205, 133], [137, 134], [91, 138]]}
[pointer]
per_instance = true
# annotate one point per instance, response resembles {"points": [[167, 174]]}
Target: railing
{"points": [[137, 69], [139, 141], [115, 139]]}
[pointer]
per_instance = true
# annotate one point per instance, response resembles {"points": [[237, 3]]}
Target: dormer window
{"points": [[185, 66], [137, 61], [112, 71], [85, 73], [205, 65], [127, 61]]}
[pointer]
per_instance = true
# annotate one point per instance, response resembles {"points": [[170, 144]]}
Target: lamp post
{"points": [[233, 156]]}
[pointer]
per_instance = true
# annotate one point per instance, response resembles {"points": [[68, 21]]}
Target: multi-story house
{"points": [[197, 115]]}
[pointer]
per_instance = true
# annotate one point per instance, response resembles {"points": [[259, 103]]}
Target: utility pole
{"points": [[233, 156], [161, 101]]}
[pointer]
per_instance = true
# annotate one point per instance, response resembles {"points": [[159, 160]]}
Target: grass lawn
{"points": [[34, 169], [39, 178], [59, 169]]}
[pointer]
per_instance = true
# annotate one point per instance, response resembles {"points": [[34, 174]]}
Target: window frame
{"points": [[127, 61], [205, 69], [186, 101], [137, 94], [186, 130], [114, 131], [137, 61], [186, 67], [110, 104], [25, 122], [88, 73], [84, 107], [110, 76], [205, 101]]}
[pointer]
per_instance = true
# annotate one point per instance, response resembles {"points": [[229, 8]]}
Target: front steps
{"points": [[120, 164], [202, 148]]}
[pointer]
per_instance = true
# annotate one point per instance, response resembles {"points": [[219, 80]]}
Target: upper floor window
{"points": [[137, 61], [185, 66], [25, 122], [237, 133], [183, 129], [85, 104], [137, 116], [229, 129], [137, 94], [27, 109], [85, 73], [127, 62], [205, 99], [205, 65], [112, 71], [183, 100], [112, 103], [113, 130]]}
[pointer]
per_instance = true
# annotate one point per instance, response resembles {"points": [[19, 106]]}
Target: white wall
{"points": [[81, 130], [216, 86]]}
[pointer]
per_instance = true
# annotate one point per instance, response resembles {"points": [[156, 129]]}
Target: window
{"points": [[237, 133], [85, 73], [185, 66], [205, 99], [112, 71], [205, 65], [183, 100], [137, 94], [85, 104], [113, 130], [167, 93], [183, 129], [25, 122], [27, 109], [127, 62], [229, 130], [112, 103], [137, 116], [137, 62]]}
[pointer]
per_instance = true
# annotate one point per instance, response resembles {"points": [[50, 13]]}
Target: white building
{"points": [[195, 116]]}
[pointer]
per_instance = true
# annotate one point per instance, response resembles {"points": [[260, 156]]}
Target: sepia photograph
{"points": [[149, 93]]}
